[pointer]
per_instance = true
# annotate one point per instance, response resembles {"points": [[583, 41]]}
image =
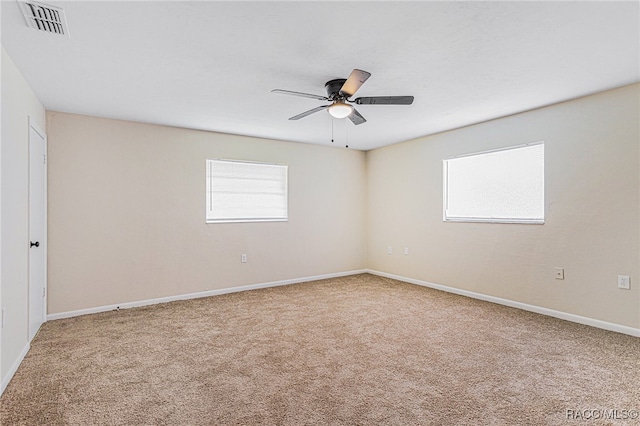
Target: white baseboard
{"points": [[13, 369], [526, 307], [127, 305]]}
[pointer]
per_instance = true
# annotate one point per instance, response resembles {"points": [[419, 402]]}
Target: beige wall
{"points": [[127, 204], [18, 104], [592, 209]]}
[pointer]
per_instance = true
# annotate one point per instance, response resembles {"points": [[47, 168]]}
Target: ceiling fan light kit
{"points": [[339, 92], [340, 110]]}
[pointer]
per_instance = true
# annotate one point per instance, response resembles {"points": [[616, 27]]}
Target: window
{"points": [[497, 186], [239, 191]]}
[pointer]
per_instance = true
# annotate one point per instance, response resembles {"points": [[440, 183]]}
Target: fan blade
{"points": [[304, 95], [385, 100], [353, 83], [356, 118], [311, 111]]}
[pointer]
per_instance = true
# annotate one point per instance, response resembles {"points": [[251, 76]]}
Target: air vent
{"points": [[45, 18]]}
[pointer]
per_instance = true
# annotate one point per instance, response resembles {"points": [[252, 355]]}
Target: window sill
{"points": [[244, 220], [487, 220]]}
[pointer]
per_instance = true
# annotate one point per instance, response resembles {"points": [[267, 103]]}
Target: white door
{"points": [[37, 228]]}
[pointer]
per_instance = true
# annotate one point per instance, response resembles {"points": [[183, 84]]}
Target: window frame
{"points": [[244, 219], [445, 195]]}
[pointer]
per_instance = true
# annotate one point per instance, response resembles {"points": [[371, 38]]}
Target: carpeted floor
{"points": [[355, 350]]}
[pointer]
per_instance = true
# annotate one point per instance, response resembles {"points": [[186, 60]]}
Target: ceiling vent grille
{"points": [[45, 18]]}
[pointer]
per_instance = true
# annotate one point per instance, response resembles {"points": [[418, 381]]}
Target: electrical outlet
{"points": [[243, 258], [389, 250], [559, 273], [406, 251], [624, 282]]}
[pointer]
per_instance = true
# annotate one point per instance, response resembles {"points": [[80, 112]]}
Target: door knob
{"points": [[36, 244]]}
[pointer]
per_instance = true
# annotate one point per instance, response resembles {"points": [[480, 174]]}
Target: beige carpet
{"points": [[353, 350]]}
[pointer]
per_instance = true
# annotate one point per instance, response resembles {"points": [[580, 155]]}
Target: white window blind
{"points": [[498, 186], [240, 191]]}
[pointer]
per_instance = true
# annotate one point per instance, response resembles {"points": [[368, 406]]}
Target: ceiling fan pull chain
{"points": [[331, 129], [346, 135]]}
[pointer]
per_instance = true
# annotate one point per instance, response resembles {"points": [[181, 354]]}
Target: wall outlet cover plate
{"points": [[624, 282]]}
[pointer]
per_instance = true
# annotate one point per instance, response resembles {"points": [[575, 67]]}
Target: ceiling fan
{"points": [[338, 93]]}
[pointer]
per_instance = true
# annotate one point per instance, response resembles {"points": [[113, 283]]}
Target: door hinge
{"points": [[44, 292], [45, 159]]}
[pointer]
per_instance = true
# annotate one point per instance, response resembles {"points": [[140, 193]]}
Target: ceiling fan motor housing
{"points": [[333, 88]]}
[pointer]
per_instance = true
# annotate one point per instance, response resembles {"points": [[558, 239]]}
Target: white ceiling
{"points": [[212, 65]]}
